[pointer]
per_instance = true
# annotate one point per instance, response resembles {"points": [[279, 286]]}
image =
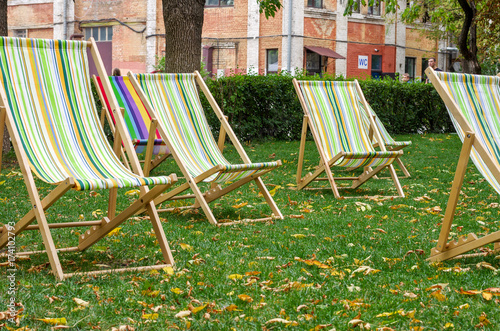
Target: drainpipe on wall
{"points": [[289, 60]]}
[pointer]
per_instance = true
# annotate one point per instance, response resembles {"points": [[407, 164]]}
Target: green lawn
{"points": [[330, 264]]}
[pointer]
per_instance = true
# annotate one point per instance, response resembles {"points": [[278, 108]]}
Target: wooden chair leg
{"points": [[2, 130], [150, 146], [113, 195], [200, 199], [395, 179], [403, 168], [302, 148], [269, 199], [220, 144], [160, 234], [95, 233], [455, 191]]}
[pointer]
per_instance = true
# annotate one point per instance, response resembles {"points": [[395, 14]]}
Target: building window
{"points": [[219, 3], [375, 8], [356, 6], [410, 65], [425, 64], [99, 33], [20, 33], [315, 3], [376, 66], [272, 61], [313, 63]]}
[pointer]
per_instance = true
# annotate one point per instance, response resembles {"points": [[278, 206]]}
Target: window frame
{"points": [[377, 71], [89, 32], [413, 70], [219, 4], [376, 4], [354, 9], [267, 61], [20, 33], [313, 4]]}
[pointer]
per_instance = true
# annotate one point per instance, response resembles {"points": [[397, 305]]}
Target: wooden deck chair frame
{"points": [[148, 155], [98, 229], [325, 164], [216, 191], [406, 173], [445, 250]]}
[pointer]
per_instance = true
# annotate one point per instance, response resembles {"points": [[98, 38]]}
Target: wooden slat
{"points": [[2, 128], [150, 146]]}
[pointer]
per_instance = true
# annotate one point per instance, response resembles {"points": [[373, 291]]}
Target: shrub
{"points": [[266, 107]]}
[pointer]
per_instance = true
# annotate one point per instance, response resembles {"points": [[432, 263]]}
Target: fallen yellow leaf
{"points": [[81, 302], [195, 310], [298, 235], [245, 298], [176, 290], [232, 307], [438, 295], [186, 247], [132, 192], [283, 321], [114, 232], [235, 276], [183, 313], [150, 316], [169, 270], [243, 204], [54, 321]]}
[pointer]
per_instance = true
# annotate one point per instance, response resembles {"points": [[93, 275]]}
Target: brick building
{"points": [[311, 35]]}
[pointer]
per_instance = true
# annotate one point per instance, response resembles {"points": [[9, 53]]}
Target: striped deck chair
{"points": [[332, 113], [174, 100], [141, 126], [46, 101], [473, 103], [389, 142]]}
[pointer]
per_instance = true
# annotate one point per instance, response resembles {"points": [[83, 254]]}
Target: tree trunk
{"points": [[467, 39], [183, 27], [4, 32]]}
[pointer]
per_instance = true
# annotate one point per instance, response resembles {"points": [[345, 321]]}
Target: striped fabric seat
{"points": [[478, 100], [136, 115], [388, 140], [175, 99], [473, 103], [336, 116], [48, 91]]}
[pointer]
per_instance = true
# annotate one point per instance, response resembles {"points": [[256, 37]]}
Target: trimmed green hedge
{"points": [[266, 107]]}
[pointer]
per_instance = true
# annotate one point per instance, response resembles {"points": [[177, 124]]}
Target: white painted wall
{"points": [[395, 34], [253, 30], [150, 30], [58, 10], [27, 2], [341, 47]]}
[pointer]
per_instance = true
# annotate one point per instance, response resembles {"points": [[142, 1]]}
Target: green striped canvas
{"points": [[388, 140], [47, 85], [334, 112], [175, 99], [478, 99]]}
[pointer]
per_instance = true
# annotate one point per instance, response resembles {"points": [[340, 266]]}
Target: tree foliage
{"points": [[464, 22]]}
